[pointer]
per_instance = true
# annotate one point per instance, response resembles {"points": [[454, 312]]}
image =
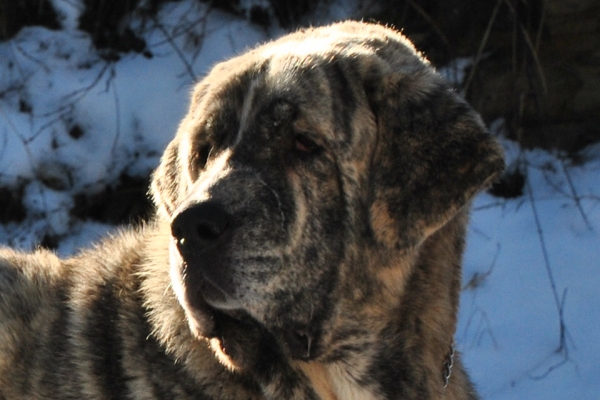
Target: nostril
{"points": [[176, 232], [208, 231], [200, 225]]}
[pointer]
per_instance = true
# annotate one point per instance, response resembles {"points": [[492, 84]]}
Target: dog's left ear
{"points": [[432, 156], [165, 183], [168, 183]]}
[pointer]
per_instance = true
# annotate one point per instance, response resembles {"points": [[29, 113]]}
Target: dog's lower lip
{"points": [[215, 297], [211, 293]]}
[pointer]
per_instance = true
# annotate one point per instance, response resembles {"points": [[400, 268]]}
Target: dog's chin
{"points": [[238, 334], [234, 334], [208, 309], [235, 337], [240, 341], [201, 317]]}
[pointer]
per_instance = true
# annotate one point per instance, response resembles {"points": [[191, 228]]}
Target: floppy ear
{"points": [[432, 156], [164, 187], [169, 179]]}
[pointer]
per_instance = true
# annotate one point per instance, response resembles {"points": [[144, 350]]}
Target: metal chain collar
{"points": [[448, 364]]}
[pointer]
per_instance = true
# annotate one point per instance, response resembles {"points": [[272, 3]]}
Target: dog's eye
{"points": [[305, 146], [198, 161], [203, 155]]}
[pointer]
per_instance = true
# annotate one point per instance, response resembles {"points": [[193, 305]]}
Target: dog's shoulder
{"points": [[36, 288], [27, 282], [30, 287], [116, 258], [45, 302], [30, 281]]}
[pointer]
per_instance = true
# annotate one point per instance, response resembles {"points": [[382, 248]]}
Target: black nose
{"points": [[200, 226]]}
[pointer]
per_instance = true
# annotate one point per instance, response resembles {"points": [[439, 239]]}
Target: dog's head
{"points": [[299, 161]]}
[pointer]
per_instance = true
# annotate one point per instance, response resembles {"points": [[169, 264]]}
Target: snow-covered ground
{"points": [[71, 122], [518, 250]]}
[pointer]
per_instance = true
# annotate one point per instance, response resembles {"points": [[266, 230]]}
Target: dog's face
{"points": [[302, 169]]}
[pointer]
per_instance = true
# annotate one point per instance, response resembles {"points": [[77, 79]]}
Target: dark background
{"points": [[536, 65]]}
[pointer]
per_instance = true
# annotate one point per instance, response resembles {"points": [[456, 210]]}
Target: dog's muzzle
{"points": [[203, 234]]}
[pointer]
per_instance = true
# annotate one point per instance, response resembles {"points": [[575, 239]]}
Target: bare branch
{"points": [[478, 278], [575, 196], [430, 21], [180, 54], [482, 45], [562, 347], [538, 64]]}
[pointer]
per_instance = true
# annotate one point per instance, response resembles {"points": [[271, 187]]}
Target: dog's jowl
{"points": [[310, 221]]}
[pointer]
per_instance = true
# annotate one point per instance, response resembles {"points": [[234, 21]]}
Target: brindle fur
{"points": [[311, 215]]}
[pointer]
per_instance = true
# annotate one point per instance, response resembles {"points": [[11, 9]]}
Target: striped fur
{"points": [[311, 214]]}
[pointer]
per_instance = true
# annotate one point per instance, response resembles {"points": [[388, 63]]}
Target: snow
{"points": [[76, 122], [510, 325], [72, 122]]}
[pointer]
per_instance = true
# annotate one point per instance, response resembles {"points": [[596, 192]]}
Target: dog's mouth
{"points": [[213, 295], [237, 330], [242, 342], [210, 316], [202, 302], [213, 313]]}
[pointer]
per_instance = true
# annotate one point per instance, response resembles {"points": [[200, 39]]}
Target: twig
{"points": [[536, 60], [549, 370], [483, 327], [429, 20], [184, 25], [489, 205], [20, 136], [113, 151], [538, 38], [576, 196], [78, 94], [532, 47], [31, 58], [478, 278], [484, 40], [562, 347], [180, 54], [201, 35], [485, 320], [66, 108], [9, 121]]}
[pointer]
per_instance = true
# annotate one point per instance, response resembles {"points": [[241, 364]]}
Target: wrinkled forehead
{"points": [[322, 78], [300, 60], [281, 75], [307, 90]]}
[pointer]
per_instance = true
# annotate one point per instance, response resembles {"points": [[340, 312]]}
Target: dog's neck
{"points": [[383, 350], [335, 381], [332, 382], [401, 349]]}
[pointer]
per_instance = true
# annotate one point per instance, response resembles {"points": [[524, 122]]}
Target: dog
{"points": [[310, 222]]}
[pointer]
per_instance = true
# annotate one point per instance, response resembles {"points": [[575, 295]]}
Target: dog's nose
{"points": [[200, 226]]}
